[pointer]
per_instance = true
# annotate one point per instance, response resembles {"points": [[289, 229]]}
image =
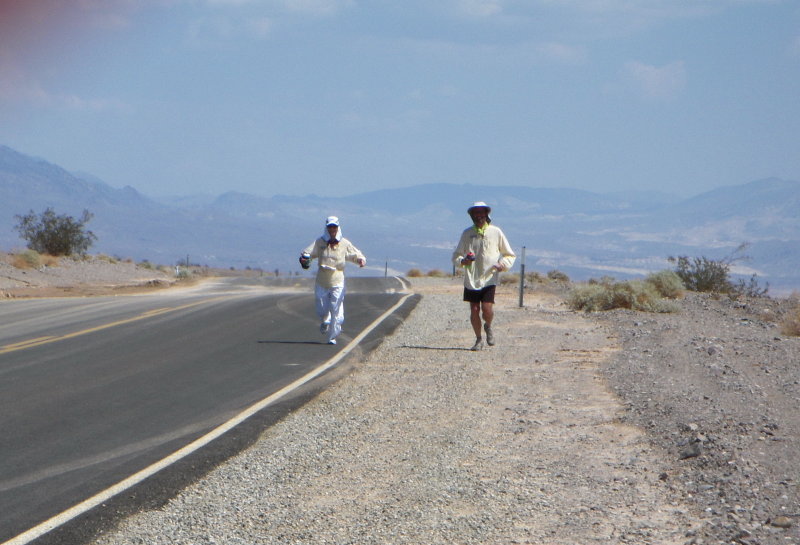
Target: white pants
{"points": [[330, 308]]}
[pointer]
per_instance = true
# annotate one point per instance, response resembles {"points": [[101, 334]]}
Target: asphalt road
{"points": [[94, 390]]}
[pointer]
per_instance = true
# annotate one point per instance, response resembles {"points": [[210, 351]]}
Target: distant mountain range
{"points": [[582, 233]]}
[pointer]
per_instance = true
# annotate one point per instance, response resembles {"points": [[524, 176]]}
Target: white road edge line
{"points": [[92, 502]]}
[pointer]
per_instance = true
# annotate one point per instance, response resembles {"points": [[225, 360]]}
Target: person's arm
{"points": [[312, 249], [461, 251], [507, 255], [309, 253], [354, 255]]}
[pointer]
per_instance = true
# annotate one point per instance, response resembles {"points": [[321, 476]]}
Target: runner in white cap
{"points": [[331, 251]]}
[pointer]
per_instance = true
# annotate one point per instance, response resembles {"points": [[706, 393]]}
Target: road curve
{"points": [[95, 391]]}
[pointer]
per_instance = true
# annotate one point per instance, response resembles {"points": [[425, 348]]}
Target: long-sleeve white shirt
{"points": [[332, 260], [490, 248]]}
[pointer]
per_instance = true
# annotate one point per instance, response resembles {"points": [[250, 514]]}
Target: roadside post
{"points": [[522, 278]]}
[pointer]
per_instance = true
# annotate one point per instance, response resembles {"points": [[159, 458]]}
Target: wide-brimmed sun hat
{"points": [[479, 204]]}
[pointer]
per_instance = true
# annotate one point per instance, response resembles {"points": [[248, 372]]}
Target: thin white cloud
{"points": [[655, 82]]}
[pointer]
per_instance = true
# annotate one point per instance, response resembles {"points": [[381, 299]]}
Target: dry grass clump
{"points": [[642, 295], [108, 259], [667, 283], [31, 259], [791, 324], [536, 277], [433, 273], [509, 278], [557, 276]]}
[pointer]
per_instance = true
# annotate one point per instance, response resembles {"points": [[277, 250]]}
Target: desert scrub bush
{"points": [[590, 298], [603, 280], [108, 259], [557, 276], [48, 233], [436, 273], [638, 295], [509, 278], [667, 283], [535, 277], [633, 294], [414, 273], [29, 259], [713, 275], [791, 323]]}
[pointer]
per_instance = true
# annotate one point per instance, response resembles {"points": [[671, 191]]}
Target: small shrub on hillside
{"points": [[636, 295], [667, 283], [703, 274], [414, 273], [509, 278], [751, 288], [48, 233], [603, 281], [557, 276], [633, 294], [29, 259], [590, 298], [791, 324], [535, 277], [436, 273], [713, 275]]}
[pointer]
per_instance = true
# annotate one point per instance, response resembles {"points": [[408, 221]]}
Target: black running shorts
{"points": [[485, 295]]}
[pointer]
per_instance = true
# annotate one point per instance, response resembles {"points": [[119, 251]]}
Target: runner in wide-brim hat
{"points": [[480, 205]]}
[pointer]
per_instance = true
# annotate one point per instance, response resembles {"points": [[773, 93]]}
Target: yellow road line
{"points": [[103, 496], [39, 341]]}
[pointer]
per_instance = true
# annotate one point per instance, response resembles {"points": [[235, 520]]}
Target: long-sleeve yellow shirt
{"points": [[491, 248]]}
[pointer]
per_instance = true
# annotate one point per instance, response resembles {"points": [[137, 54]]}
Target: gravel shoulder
{"points": [[618, 427]]}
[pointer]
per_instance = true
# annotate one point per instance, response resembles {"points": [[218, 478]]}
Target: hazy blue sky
{"points": [[344, 96]]}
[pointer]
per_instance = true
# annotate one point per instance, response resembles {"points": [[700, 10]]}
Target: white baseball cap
{"points": [[332, 220]]}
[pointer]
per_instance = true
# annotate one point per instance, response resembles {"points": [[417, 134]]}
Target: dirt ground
{"points": [[702, 407], [717, 387]]}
